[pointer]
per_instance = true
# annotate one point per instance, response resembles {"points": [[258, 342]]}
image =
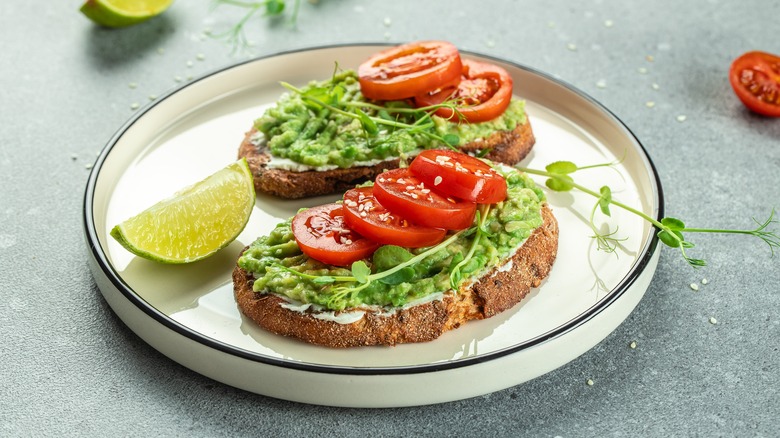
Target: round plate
{"points": [[187, 312]]}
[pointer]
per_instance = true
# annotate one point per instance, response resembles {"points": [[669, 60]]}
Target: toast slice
{"points": [[508, 147], [495, 291]]}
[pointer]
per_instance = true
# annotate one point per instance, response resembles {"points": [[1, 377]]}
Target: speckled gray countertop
{"points": [[70, 367]]}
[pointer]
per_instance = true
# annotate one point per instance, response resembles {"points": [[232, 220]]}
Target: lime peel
{"points": [[194, 223], [122, 13]]}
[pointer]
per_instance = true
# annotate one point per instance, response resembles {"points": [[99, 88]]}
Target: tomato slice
{"points": [[368, 217], [459, 175], [404, 194], [755, 77], [322, 234], [410, 69], [484, 93]]}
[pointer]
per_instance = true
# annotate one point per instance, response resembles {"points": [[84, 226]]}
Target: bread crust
{"points": [[507, 147], [491, 294]]}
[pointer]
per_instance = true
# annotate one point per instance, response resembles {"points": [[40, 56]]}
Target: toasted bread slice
{"points": [[500, 289], [508, 147]]}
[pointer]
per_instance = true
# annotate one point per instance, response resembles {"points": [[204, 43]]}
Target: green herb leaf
{"points": [[368, 124], [451, 139], [669, 238], [405, 275], [388, 256], [560, 183], [673, 223], [561, 167], [274, 7], [605, 200], [360, 271]]}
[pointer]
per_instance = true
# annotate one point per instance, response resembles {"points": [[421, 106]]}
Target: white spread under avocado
{"points": [[319, 138], [508, 223]]}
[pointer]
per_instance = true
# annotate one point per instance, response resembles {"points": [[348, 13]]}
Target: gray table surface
{"points": [[70, 367]]}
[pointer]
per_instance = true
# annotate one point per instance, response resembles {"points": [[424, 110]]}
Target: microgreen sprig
{"points": [[669, 230], [423, 124], [235, 36]]}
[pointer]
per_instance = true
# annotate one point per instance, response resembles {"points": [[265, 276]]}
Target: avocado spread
{"points": [[507, 225], [312, 135]]}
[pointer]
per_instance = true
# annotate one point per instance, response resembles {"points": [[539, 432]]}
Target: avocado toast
{"points": [[475, 273], [300, 147]]}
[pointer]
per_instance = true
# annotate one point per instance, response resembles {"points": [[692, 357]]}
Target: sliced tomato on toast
{"points": [[368, 217], [459, 175], [407, 196], [410, 69], [322, 233], [483, 93]]}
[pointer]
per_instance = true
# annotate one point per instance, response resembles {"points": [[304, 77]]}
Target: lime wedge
{"points": [[121, 13], [195, 222]]}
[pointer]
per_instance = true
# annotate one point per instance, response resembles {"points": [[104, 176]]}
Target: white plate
{"points": [[188, 312]]}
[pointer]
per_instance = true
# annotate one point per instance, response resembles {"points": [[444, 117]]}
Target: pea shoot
{"points": [[669, 229], [235, 36]]}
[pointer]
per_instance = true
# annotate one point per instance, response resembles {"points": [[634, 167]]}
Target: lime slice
{"points": [[195, 222], [121, 13]]}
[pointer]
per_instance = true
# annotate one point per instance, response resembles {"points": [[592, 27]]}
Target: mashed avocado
{"points": [[315, 136], [507, 225]]}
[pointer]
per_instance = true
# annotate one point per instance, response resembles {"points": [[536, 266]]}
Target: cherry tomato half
{"points": [[459, 175], [368, 217], [484, 92], [410, 69], [322, 234], [755, 77], [404, 194]]}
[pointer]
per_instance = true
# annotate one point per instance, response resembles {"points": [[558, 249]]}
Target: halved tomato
{"points": [[410, 69], [322, 234], [459, 175], [404, 194], [755, 77], [368, 217], [484, 93]]}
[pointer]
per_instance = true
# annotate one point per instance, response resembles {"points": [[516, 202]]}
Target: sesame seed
{"points": [[388, 21], [410, 187], [189, 63], [681, 118], [713, 320], [650, 58], [590, 382], [572, 47], [134, 105], [88, 166], [608, 23], [632, 344], [694, 286], [601, 83], [132, 85], [704, 281], [655, 86], [437, 181], [401, 181], [642, 70], [650, 104], [177, 78], [200, 57], [152, 97]]}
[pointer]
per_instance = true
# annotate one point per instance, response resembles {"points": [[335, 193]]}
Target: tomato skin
{"points": [[410, 69], [404, 194], [459, 175], [485, 89], [322, 234], [368, 217], [755, 78]]}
